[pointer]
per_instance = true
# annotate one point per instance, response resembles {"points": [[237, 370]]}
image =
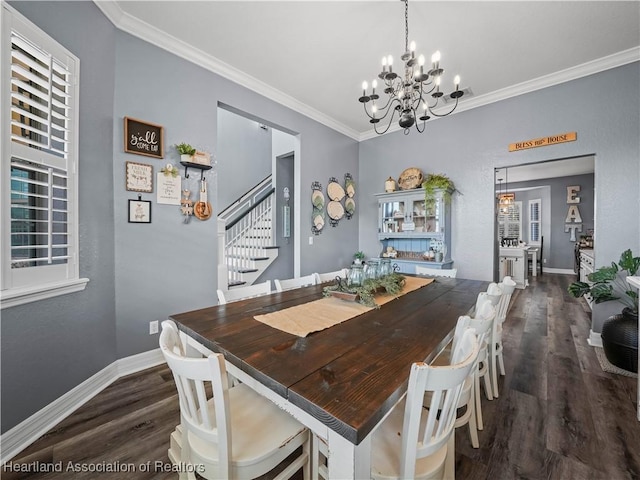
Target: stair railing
{"points": [[244, 228]]}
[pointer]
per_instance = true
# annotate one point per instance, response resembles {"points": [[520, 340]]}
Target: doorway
{"points": [[544, 211], [250, 150]]}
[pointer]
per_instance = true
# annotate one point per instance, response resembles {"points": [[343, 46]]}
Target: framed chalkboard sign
{"points": [[143, 138]]}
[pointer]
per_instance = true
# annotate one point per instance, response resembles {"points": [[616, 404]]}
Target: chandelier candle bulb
{"points": [[456, 82]]}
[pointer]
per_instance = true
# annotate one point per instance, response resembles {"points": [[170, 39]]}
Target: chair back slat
{"points": [[445, 384], [202, 389]]}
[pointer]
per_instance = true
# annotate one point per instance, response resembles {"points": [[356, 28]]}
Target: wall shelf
{"points": [[188, 165]]}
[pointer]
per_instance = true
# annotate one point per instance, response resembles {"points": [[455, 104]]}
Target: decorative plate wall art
{"points": [[349, 185], [349, 207], [335, 190], [317, 213]]}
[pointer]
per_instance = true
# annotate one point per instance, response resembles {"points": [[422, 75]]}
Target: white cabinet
{"points": [[409, 227], [587, 263], [513, 262]]}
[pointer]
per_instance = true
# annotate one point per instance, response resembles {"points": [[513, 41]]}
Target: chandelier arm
{"points": [[364, 105], [388, 125], [389, 100], [424, 122], [445, 114], [391, 109]]}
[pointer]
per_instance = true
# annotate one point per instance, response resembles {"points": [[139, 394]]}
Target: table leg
{"points": [[347, 460]]}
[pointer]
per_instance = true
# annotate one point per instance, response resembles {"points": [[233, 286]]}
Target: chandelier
{"points": [[408, 91]]}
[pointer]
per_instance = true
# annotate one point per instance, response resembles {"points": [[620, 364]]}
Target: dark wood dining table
{"points": [[342, 381]]}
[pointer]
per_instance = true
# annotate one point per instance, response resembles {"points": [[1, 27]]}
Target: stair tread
{"points": [[236, 284], [248, 258], [247, 270]]}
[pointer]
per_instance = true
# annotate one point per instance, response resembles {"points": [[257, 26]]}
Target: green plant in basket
{"points": [[435, 182], [185, 149]]}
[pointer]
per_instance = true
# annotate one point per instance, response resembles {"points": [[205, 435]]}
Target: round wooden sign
{"points": [[410, 178]]}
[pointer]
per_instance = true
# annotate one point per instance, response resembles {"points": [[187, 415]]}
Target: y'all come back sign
{"points": [[543, 141]]}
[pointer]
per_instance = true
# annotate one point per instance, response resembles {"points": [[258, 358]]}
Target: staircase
{"points": [[246, 236]]}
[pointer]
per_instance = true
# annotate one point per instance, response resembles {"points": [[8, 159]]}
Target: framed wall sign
{"points": [[139, 211], [139, 177], [143, 138]]}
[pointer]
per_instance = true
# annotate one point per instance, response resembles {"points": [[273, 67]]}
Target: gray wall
{"points": [[140, 272], [558, 249], [467, 146], [244, 155], [50, 346]]}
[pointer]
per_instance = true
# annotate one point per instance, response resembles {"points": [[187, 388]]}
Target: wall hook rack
{"points": [[197, 166]]}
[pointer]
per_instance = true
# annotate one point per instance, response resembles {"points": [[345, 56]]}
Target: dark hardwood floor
{"points": [[559, 416]]}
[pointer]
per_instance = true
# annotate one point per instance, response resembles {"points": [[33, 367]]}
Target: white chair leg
{"points": [[478, 406], [487, 384], [494, 375], [501, 363], [473, 427], [450, 460]]}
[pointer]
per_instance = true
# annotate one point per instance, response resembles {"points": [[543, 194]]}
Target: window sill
{"points": [[20, 296]]}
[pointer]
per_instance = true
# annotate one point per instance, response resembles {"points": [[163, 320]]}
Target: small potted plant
{"points": [[358, 257], [619, 332], [186, 151]]}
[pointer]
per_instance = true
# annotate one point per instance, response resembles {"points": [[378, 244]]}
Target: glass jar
{"points": [[372, 270], [356, 275], [385, 267]]}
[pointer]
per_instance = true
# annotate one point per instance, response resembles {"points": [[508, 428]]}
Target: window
{"points": [[534, 221], [39, 164], [509, 223]]}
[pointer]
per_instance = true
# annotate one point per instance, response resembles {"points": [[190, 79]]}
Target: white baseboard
{"points": [[28, 431], [561, 271], [595, 340]]}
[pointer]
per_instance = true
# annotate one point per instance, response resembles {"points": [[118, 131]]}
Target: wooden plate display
{"points": [[349, 185], [317, 213], [317, 199], [349, 207], [335, 210], [410, 178], [335, 190], [318, 221]]}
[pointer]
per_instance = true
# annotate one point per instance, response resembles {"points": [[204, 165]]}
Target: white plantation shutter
{"points": [[534, 221], [509, 223], [40, 97]]}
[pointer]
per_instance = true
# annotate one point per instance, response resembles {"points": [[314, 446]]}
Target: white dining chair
{"points": [[331, 276], [291, 283], [426, 447], [239, 293], [496, 359], [470, 399], [228, 432], [436, 272]]}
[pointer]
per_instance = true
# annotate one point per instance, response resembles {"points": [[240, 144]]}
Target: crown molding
{"points": [[144, 31], [138, 28], [599, 65]]}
